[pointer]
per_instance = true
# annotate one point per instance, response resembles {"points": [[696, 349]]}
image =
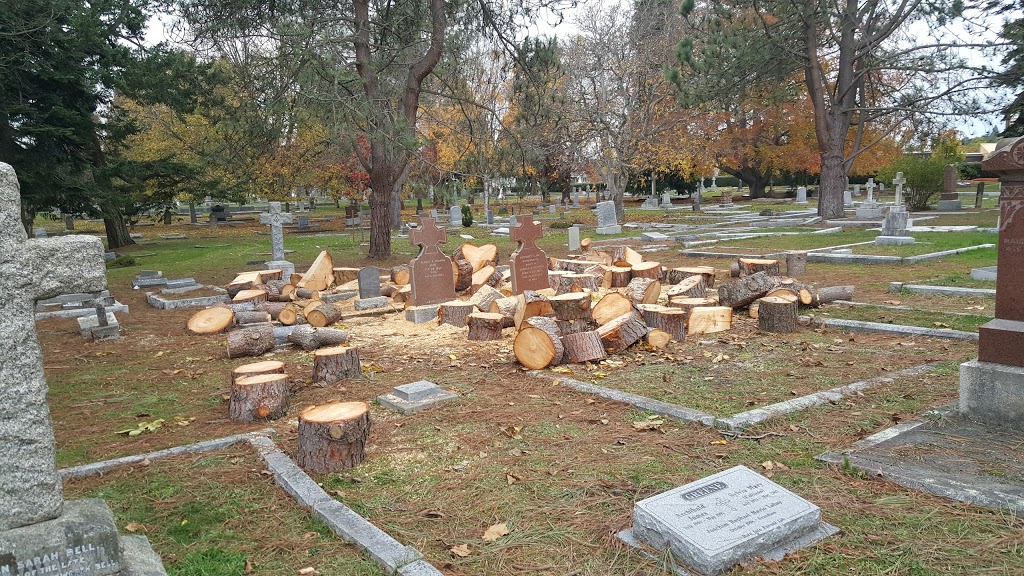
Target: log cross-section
{"points": [[622, 332], [257, 368], [332, 437], [538, 344]]}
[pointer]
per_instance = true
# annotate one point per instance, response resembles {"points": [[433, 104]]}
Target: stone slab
{"points": [[158, 301], [109, 332], [414, 391], [371, 303], [714, 523], [893, 240], [955, 291], [674, 411], [79, 312], [87, 323], [608, 230], [654, 236], [870, 212], [420, 399], [287, 268], [984, 273], [148, 282], [180, 283], [77, 298], [81, 541], [944, 253], [882, 328], [421, 314], [949, 206], [138, 558]]}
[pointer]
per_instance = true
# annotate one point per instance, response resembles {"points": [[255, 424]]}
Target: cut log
{"points": [[345, 275], [677, 275], [531, 303], [335, 363], [657, 338], [404, 294], [554, 276], [670, 320], [251, 341], [388, 290], [252, 317], [210, 321], [626, 256], [584, 347], [400, 275], [746, 290], [538, 344], [310, 337], [611, 306], [484, 326], [708, 320], [254, 296], [287, 291], [268, 275], [690, 287], [477, 256], [505, 306], [462, 271], [747, 266], [831, 294], [622, 332], [784, 293], [243, 281], [484, 296], [574, 266], [320, 274], [573, 306], [257, 368], [687, 304], [576, 282], [599, 256], [643, 290], [274, 290], [323, 315], [486, 276], [618, 276], [295, 278], [647, 270], [260, 397], [752, 310], [304, 294], [454, 313], [332, 437], [291, 315], [775, 314], [796, 263], [585, 243], [575, 326]]}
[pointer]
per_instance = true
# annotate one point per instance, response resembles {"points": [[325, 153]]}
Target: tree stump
{"points": [[576, 282], [744, 267], [344, 275], [323, 314], [642, 290], [454, 313], [689, 287], [796, 263], [831, 294], [251, 341], [670, 320], [584, 347], [210, 321], [775, 314], [677, 275], [336, 363], [657, 338], [254, 296], [310, 337], [257, 369], [252, 317], [259, 397], [400, 275], [484, 326], [554, 277], [650, 270], [332, 437], [746, 290], [611, 306], [538, 344], [709, 319], [572, 306], [575, 326], [687, 304], [622, 332], [619, 276]]}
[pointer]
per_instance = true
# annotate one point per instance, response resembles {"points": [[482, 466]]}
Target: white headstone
{"points": [[574, 238], [856, 189], [455, 217], [898, 182], [870, 187], [276, 219], [801, 195], [847, 198], [666, 200], [607, 223]]}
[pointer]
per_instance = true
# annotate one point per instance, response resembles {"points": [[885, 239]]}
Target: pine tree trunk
{"points": [[833, 183], [116, 229]]}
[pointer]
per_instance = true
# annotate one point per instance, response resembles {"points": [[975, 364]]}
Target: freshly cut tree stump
{"points": [[484, 326], [257, 368], [670, 320], [677, 275], [831, 294], [538, 344], [657, 338], [310, 337], [259, 397], [531, 303], [619, 276], [454, 312], [622, 332], [304, 294], [323, 315], [611, 306], [710, 319], [642, 290], [250, 296], [252, 317], [336, 363], [744, 267], [344, 275], [400, 275], [647, 270], [320, 274], [746, 290], [690, 287], [687, 304], [462, 272], [572, 306], [332, 437], [506, 306], [796, 263], [251, 341], [584, 347], [626, 256], [210, 321], [483, 298], [274, 288], [776, 314]]}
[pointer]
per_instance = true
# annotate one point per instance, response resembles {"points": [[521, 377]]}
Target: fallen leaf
{"points": [[768, 465], [428, 513], [248, 566], [513, 432], [460, 550], [158, 354], [719, 442], [308, 571], [561, 370], [135, 527], [648, 424], [512, 478], [496, 531]]}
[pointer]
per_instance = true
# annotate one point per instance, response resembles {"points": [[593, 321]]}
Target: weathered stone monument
{"points": [[431, 271], [40, 533], [607, 223], [666, 200], [529, 263], [950, 199], [276, 219], [415, 396], [455, 217], [801, 195], [651, 203], [897, 219], [847, 199], [368, 280], [574, 238], [870, 208]]}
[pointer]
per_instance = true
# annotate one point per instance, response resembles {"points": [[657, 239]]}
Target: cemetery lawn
{"points": [[560, 468]]}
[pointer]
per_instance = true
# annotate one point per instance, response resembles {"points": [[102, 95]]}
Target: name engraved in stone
{"points": [[77, 561], [432, 268], [533, 266], [703, 491]]}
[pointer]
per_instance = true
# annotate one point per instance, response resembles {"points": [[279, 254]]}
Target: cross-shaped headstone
{"points": [[899, 181], [529, 264], [870, 187], [30, 270], [431, 271], [275, 218]]}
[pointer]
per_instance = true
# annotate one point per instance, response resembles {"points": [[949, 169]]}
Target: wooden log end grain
{"points": [[622, 332], [259, 397], [257, 368], [210, 321], [332, 437], [538, 344]]}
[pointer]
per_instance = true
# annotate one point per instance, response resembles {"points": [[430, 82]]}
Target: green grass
{"points": [[924, 319]]}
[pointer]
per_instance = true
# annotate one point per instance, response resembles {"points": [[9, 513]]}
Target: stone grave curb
{"points": [[942, 290], [944, 253], [79, 312], [674, 411], [897, 329], [739, 421], [891, 307], [157, 301]]}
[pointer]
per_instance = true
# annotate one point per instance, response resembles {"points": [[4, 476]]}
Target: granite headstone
{"points": [[368, 279], [607, 223], [431, 271], [529, 264], [276, 219]]}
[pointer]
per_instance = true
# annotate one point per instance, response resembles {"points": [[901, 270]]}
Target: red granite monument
{"points": [[529, 263], [431, 271]]}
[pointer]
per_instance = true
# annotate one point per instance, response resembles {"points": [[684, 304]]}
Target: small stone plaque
{"points": [[415, 396], [369, 282], [714, 523], [416, 390]]}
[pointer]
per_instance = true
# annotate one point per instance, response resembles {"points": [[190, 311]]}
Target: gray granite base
{"points": [[608, 230], [139, 559], [286, 267], [992, 394], [421, 314], [158, 301], [869, 212], [894, 240], [86, 324], [415, 396], [83, 311], [108, 332], [955, 291], [984, 273], [897, 329], [949, 206], [371, 303]]}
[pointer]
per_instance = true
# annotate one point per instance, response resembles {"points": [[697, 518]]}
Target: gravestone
{"points": [[369, 282], [897, 219], [992, 387], [717, 522], [69, 222], [979, 195], [489, 214], [898, 181], [529, 264], [303, 222], [431, 271], [870, 208], [574, 238], [651, 203], [433, 213], [553, 209], [38, 529], [666, 200], [606, 220], [847, 199], [801, 195], [726, 198], [455, 217], [415, 396], [950, 199], [276, 219], [856, 190], [576, 198]]}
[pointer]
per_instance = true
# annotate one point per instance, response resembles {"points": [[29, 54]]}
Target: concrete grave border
{"points": [[157, 301], [942, 290]]}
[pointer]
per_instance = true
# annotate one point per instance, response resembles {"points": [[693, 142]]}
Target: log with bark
{"points": [[642, 290], [573, 306], [622, 332], [575, 326], [454, 313], [708, 320], [323, 314], [744, 267], [272, 308], [259, 397], [462, 271], [400, 275], [243, 281], [505, 306], [677, 275], [796, 263], [574, 282], [251, 341], [650, 270], [304, 294], [538, 344], [775, 314], [332, 437], [274, 290], [486, 276], [268, 275], [687, 304], [335, 363], [254, 296], [477, 256], [320, 275], [485, 326], [657, 338], [746, 290], [618, 276], [252, 317], [584, 347], [690, 287], [291, 315], [611, 306], [483, 298], [626, 256], [831, 294], [554, 276], [210, 321], [310, 337], [531, 303], [574, 266], [344, 275], [670, 320], [257, 368]]}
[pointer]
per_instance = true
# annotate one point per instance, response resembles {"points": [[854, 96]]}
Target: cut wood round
{"points": [[274, 288], [746, 290], [335, 363], [647, 270], [251, 341], [677, 275], [344, 275], [323, 315], [584, 347], [291, 315], [486, 276], [240, 283], [287, 290], [748, 266], [477, 256], [571, 306], [612, 305], [538, 344], [404, 294], [483, 298], [619, 276], [272, 308], [574, 326], [210, 321], [250, 296], [689, 287], [454, 313], [268, 275], [796, 263], [531, 303], [585, 244], [641, 290], [831, 294], [709, 319], [785, 294], [670, 320], [505, 306], [332, 437], [320, 274], [776, 314], [752, 310], [252, 317], [687, 304], [626, 256], [554, 276], [622, 332], [259, 397], [796, 292], [310, 337], [462, 272], [304, 294], [400, 275], [257, 368], [573, 282], [485, 326], [657, 338]]}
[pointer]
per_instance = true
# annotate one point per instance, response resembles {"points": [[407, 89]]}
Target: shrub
{"points": [[467, 216], [122, 262], [923, 173], [562, 224]]}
